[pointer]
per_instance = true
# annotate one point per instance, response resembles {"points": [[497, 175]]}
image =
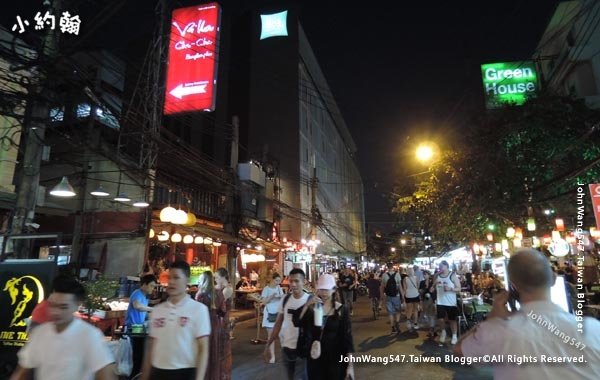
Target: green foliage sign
{"points": [[508, 83]]}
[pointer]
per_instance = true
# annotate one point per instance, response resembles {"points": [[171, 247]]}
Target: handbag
{"points": [[271, 317]]}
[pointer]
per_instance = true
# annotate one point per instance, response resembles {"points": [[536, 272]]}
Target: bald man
{"points": [[541, 337]]}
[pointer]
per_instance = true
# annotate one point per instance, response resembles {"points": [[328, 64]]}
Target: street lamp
{"points": [[424, 152]]}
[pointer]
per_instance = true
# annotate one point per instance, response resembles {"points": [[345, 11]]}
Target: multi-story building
{"points": [[289, 119], [569, 51]]}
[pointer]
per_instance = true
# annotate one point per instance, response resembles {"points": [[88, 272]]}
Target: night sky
{"points": [[401, 72]]}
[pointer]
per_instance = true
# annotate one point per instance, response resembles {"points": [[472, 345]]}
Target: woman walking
{"points": [[428, 302], [271, 298], [334, 332], [221, 361], [411, 294]]}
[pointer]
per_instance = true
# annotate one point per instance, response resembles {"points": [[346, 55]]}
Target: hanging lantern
{"points": [[191, 220], [490, 236], [517, 242], [536, 242], [530, 224], [163, 236], [560, 224], [510, 232], [217, 244], [208, 241], [167, 213], [176, 238], [188, 239], [151, 233], [198, 240], [180, 217], [556, 235], [519, 233]]}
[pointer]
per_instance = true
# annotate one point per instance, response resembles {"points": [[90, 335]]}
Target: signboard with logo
{"points": [[23, 284], [507, 83], [595, 193], [193, 59], [273, 25]]}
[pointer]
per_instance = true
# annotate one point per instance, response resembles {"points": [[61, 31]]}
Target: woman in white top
{"points": [[411, 294], [271, 298]]}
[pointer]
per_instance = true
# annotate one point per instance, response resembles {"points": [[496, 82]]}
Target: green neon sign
{"points": [[508, 83]]}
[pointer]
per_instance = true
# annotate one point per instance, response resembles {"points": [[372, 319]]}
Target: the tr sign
{"points": [[193, 59]]}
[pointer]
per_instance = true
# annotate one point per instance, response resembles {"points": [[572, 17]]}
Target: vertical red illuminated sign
{"points": [[193, 55], [595, 193]]}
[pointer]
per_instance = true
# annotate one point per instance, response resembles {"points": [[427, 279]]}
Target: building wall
{"points": [[569, 51]]}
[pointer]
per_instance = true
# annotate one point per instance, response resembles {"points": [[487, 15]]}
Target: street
{"points": [[370, 338]]}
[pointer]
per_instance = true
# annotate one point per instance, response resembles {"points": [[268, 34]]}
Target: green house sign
{"points": [[508, 83]]}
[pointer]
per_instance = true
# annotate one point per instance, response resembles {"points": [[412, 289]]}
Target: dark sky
{"points": [[403, 72]]}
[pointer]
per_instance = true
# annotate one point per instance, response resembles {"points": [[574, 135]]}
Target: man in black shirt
{"points": [[346, 284]]}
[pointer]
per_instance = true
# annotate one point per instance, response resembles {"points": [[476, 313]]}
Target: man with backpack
{"points": [[391, 289], [295, 366]]}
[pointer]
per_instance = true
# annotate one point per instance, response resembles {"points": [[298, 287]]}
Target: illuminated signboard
{"points": [[273, 25], [193, 59], [23, 284], [508, 83]]}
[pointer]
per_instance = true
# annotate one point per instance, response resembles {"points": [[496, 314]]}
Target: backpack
{"points": [[391, 286]]}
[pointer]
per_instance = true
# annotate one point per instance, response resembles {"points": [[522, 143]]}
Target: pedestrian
{"points": [[374, 287], [178, 343], [428, 299], [392, 290], [346, 283], [208, 296], [271, 297], [253, 278], [540, 329], [333, 331], [138, 301], [136, 315], [67, 347], [223, 300], [411, 297], [418, 273], [294, 365], [446, 285]]}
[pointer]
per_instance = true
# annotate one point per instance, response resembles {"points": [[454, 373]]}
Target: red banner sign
{"points": [[193, 54], [595, 193]]}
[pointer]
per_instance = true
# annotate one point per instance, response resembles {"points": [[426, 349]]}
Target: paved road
{"points": [[370, 337]]}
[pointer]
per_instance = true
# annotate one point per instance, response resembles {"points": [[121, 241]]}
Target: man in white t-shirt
{"points": [[178, 343], [295, 366], [66, 347], [540, 341]]}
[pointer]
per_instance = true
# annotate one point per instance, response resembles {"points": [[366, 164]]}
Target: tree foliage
{"points": [[512, 162]]}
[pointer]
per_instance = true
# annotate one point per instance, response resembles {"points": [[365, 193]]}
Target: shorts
{"points": [[444, 311], [413, 300], [393, 305]]}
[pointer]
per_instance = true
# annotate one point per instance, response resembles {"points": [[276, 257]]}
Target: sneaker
{"points": [[443, 336], [397, 326], [409, 325], [454, 339], [394, 329]]}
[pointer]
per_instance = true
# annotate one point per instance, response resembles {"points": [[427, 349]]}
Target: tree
{"points": [[513, 162]]}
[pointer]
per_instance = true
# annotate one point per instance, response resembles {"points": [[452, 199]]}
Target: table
{"points": [[244, 295], [114, 319]]}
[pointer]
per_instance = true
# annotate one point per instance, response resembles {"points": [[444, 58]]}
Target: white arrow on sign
{"points": [[180, 91]]}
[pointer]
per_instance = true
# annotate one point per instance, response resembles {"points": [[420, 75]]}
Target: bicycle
{"points": [[375, 307]]}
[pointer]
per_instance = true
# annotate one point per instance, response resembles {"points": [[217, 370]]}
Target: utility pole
{"points": [[314, 210], [34, 133], [234, 222]]}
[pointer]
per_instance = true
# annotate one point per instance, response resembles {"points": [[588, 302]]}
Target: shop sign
{"points": [[23, 284], [193, 59], [507, 83], [273, 25], [595, 192]]}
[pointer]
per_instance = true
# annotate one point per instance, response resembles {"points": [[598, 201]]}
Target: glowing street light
{"points": [[424, 153]]}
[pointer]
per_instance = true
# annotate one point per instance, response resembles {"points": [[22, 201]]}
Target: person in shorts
{"points": [[446, 285], [392, 290]]}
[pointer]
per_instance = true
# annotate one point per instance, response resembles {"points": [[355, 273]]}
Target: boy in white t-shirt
{"points": [[66, 347], [284, 328]]}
